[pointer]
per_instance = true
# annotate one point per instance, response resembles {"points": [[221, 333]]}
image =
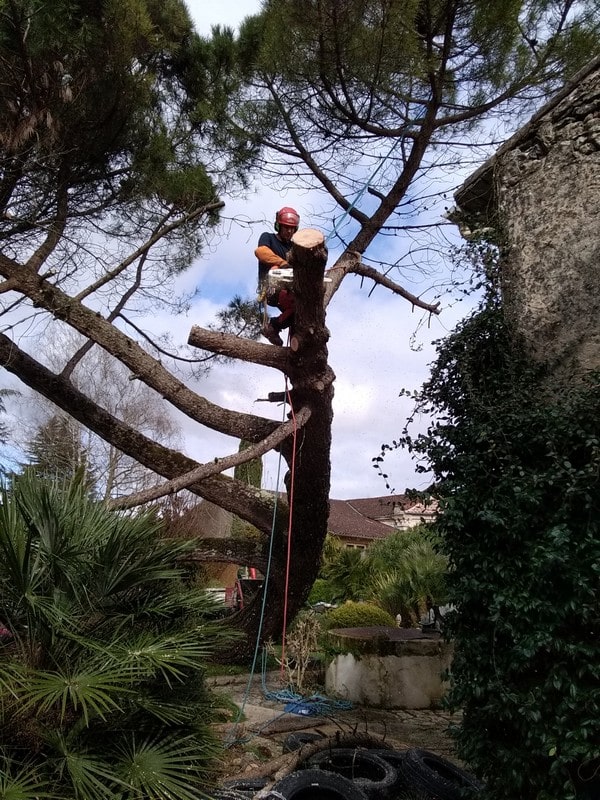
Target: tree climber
{"points": [[272, 253]]}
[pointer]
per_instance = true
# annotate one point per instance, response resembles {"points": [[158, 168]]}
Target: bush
{"points": [[356, 615], [101, 667], [322, 592], [518, 468]]}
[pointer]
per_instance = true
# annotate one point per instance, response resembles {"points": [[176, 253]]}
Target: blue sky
{"points": [[378, 344]]}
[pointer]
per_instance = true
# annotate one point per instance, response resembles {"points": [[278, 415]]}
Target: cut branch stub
{"points": [[310, 239]]}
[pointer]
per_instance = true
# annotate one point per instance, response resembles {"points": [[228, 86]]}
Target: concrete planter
{"points": [[384, 667]]}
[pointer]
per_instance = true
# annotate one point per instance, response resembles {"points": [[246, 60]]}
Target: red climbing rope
{"points": [[290, 520]]}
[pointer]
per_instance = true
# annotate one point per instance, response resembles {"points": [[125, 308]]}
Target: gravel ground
{"points": [[258, 736]]}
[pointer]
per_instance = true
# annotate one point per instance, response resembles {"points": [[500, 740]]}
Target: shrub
{"points": [[322, 592], [101, 669], [518, 468], [356, 615]]}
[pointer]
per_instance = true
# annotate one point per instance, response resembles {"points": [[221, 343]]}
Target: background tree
{"points": [[249, 472], [409, 573], [99, 208], [59, 445], [401, 573], [57, 451], [345, 573], [4, 428]]}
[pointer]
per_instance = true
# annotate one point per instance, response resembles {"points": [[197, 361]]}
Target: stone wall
{"points": [[382, 668], [547, 197]]}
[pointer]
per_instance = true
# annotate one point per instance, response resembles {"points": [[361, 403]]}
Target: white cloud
{"points": [[370, 347]]}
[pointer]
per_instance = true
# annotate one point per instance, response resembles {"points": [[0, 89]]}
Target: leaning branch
{"points": [[232, 495], [383, 280], [143, 366], [227, 551], [215, 467]]}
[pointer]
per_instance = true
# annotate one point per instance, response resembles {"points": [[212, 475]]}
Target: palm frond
{"points": [[22, 781], [107, 643], [169, 654], [167, 768], [92, 777], [92, 693]]}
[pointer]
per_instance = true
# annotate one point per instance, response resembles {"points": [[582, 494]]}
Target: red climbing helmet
{"points": [[287, 216]]}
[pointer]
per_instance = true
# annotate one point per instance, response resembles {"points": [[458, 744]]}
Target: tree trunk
{"points": [[296, 554]]}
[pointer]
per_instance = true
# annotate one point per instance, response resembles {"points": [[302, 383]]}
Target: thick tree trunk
{"points": [[298, 532], [296, 554]]}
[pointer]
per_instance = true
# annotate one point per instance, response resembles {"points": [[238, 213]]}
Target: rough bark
{"points": [[296, 547]]}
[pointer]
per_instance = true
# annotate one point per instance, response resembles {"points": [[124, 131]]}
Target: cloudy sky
{"points": [[378, 346]]}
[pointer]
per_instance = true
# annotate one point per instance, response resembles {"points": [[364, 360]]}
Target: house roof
{"points": [[348, 519], [359, 518], [377, 507], [347, 522], [476, 195]]}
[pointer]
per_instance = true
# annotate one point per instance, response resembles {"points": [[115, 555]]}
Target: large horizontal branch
{"points": [[143, 366], [232, 495], [218, 465], [228, 344], [229, 551]]}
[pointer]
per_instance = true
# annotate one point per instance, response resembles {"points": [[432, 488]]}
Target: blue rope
{"points": [[295, 703], [264, 600]]}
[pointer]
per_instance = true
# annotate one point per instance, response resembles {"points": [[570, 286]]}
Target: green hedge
{"points": [[518, 472], [356, 615]]}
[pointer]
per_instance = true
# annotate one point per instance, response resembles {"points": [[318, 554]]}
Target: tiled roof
{"points": [[359, 518], [347, 522], [377, 507], [348, 519]]}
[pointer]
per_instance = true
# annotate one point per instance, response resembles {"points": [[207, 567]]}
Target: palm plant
{"points": [[408, 570], [101, 690], [346, 570]]}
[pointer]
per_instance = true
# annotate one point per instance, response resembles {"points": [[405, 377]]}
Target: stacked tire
{"points": [[436, 777], [362, 774]]}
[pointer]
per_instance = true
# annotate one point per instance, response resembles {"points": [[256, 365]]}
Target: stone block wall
{"points": [[547, 191]]}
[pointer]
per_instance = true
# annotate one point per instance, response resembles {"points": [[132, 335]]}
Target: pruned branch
{"points": [[383, 280], [228, 344], [278, 768]]}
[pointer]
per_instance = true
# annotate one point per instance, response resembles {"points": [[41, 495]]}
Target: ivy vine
{"points": [[516, 462]]}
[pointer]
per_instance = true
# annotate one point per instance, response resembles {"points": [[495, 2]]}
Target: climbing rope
{"points": [[306, 705], [290, 521], [315, 704], [263, 606]]}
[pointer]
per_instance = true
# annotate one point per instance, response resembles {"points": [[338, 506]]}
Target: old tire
{"points": [[436, 776], [396, 759], [295, 741], [315, 784], [374, 776]]}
